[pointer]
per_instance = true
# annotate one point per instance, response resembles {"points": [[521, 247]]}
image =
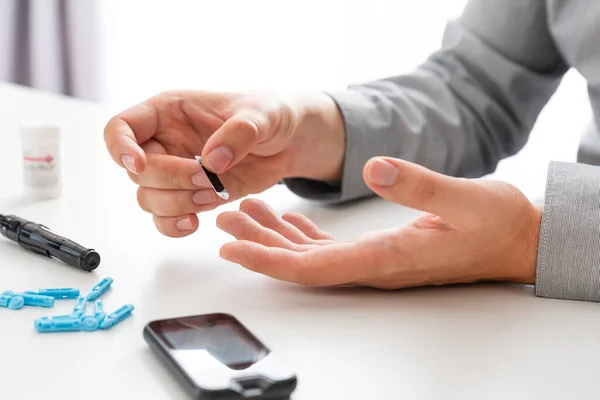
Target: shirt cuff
{"points": [[360, 117], [568, 258]]}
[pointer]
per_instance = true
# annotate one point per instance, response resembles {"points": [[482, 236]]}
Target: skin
{"points": [[472, 230], [277, 135]]}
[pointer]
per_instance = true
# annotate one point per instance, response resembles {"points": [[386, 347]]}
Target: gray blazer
{"points": [[473, 103]]}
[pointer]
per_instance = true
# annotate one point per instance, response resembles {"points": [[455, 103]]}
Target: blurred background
{"points": [[119, 52]]}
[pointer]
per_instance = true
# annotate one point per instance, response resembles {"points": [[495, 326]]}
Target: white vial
{"points": [[41, 160]]}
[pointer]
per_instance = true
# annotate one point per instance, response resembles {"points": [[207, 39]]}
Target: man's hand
{"points": [[474, 230], [252, 140]]}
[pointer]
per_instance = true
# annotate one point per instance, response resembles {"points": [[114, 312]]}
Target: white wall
{"points": [[155, 45]]}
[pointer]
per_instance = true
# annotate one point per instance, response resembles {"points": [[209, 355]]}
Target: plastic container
{"points": [[42, 160]]}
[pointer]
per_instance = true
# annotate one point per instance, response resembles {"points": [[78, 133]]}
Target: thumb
{"points": [[231, 143], [417, 187]]}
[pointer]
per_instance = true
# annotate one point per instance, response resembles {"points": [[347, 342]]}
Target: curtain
{"points": [[51, 45]]}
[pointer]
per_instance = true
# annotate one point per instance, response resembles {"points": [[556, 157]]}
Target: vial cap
{"points": [[40, 131]]}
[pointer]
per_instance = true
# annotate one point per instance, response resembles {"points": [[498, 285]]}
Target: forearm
{"points": [[468, 106]]}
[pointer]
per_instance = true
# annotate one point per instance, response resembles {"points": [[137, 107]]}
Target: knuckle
{"points": [[301, 278], [288, 118], [133, 177], [174, 182], [142, 199], [425, 189], [278, 224], [392, 244], [289, 216], [247, 204], [246, 127], [302, 273], [159, 224], [163, 97], [108, 129], [173, 108]]}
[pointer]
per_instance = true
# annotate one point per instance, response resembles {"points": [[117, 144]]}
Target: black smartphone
{"points": [[216, 357]]}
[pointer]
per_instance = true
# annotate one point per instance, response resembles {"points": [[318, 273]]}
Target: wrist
{"points": [[525, 271], [318, 144]]}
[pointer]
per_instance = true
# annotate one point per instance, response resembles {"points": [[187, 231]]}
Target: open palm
{"points": [[488, 232]]}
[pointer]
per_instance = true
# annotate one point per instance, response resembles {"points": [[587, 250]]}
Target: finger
{"points": [[171, 203], [264, 215], [171, 172], [336, 264], [232, 142], [177, 227], [307, 227], [242, 227], [417, 187], [124, 132], [152, 146]]}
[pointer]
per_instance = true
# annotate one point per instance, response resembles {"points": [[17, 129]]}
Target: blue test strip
{"points": [[60, 293], [37, 300], [117, 316], [100, 289], [58, 325]]}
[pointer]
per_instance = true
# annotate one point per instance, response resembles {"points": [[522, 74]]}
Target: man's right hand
{"points": [[252, 140]]}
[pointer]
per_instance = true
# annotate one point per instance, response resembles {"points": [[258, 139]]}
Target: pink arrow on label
{"points": [[47, 159]]}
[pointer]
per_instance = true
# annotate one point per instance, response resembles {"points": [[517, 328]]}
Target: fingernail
{"points": [[219, 158], [184, 224], [128, 162], [202, 197], [383, 173]]}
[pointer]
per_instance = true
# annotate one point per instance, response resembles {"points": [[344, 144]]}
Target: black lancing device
{"points": [[40, 240]]}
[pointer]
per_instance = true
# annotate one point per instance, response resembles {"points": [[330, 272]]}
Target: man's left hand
{"points": [[472, 230]]}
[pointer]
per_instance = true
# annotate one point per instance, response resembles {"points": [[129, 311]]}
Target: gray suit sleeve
{"points": [[568, 259], [465, 108]]}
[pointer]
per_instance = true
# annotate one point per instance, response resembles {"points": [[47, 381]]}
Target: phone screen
{"points": [[219, 337]]}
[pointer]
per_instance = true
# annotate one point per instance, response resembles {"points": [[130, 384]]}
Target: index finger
{"points": [[335, 264], [125, 132]]}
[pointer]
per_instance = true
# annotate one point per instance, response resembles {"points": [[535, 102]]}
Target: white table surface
{"points": [[493, 341]]}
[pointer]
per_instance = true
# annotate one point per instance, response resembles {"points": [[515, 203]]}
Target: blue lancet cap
{"points": [[58, 325], [89, 323], [60, 293], [37, 300], [79, 308], [4, 300], [100, 289], [10, 300], [117, 316], [16, 302], [99, 313]]}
